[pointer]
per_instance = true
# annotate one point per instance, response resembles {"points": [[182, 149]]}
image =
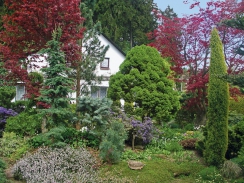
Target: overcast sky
{"points": [[179, 7]]}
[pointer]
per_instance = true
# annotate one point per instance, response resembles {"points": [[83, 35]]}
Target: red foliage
{"points": [[29, 27], [186, 41]]}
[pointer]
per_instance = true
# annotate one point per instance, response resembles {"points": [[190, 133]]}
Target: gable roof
{"points": [[116, 46]]}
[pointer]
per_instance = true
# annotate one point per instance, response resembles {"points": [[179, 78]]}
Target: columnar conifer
{"points": [[218, 98]]}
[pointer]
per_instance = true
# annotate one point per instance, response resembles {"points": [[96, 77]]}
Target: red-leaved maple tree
{"points": [[186, 42], [29, 27]]}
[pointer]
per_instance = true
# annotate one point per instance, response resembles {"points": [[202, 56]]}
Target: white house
{"points": [[113, 58]]}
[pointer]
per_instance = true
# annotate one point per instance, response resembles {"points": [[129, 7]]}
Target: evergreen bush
{"points": [[218, 102], [112, 144], [240, 158], [94, 112], [60, 137], [57, 86], [25, 124], [143, 79]]}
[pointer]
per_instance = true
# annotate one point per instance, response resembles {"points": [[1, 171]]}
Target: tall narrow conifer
{"points": [[218, 103]]}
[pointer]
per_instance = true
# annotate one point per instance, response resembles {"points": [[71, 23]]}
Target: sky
{"points": [[179, 7]]}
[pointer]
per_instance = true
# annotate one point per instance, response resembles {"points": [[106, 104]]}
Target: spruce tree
{"points": [[57, 85], [218, 102]]}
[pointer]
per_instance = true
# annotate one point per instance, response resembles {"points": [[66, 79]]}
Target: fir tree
{"points": [[218, 103], [57, 85]]}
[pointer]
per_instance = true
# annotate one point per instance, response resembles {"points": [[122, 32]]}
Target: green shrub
{"points": [[56, 137], [237, 106], [173, 146], [112, 144], [200, 147], [7, 93], [13, 146], [234, 118], [39, 140], [94, 112], [184, 117], [61, 136], [235, 140], [24, 124], [20, 105], [231, 170], [234, 144], [91, 139], [2, 172], [240, 158], [129, 108], [210, 174]]}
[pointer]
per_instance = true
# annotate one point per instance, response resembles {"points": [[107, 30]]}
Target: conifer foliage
{"points": [[57, 85], [144, 79], [218, 102]]}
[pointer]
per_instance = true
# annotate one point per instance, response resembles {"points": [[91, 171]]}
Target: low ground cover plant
{"points": [[13, 146], [56, 165], [2, 171]]}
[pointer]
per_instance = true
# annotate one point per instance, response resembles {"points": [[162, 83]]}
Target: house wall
{"points": [[115, 56]]}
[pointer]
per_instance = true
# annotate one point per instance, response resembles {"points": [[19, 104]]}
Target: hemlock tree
{"points": [[218, 102], [57, 85], [143, 79]]}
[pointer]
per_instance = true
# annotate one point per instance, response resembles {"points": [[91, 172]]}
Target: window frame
{"points": [[107, 65]]}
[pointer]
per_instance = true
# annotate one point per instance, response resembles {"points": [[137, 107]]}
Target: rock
{"points": [[135, 165]]}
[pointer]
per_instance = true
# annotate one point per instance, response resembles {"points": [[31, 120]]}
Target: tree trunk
{"points": [[78, 87], [133, 141], [44, 124]]}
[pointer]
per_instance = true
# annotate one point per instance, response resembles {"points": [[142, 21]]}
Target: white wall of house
{"points": [[113, 58]]}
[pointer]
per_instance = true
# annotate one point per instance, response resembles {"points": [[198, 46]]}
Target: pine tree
{"points": [[57, 85], [93, 52], [218, 103]]}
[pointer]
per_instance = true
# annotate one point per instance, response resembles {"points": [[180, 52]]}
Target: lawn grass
{"points": [[156, 170]]}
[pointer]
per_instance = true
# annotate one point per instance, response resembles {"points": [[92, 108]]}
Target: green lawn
{"points": [[156, 170]]}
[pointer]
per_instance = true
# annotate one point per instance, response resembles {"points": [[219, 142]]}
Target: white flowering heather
{"points": [[65, 165]]}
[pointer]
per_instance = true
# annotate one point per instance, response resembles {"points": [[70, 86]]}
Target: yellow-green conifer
{"points": [[218, 103]]}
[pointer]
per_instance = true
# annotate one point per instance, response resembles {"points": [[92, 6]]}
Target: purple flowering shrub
{"points": [[143, 130], [57, 165], [4, 114]]}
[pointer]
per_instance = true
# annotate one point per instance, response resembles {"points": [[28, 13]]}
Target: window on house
{"points": [[98, 92], [20, 91], [105, 64]]}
